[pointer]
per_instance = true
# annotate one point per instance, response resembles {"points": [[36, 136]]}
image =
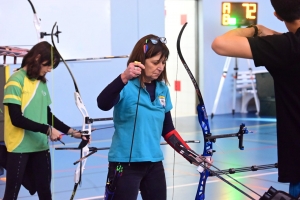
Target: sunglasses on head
{"points": [[154, 41]]}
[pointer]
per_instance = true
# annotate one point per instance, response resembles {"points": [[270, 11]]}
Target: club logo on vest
{"points": [[162, 101], [44, 93]]}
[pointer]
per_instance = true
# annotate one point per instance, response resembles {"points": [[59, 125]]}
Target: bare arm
{"points": [[234, 43]]}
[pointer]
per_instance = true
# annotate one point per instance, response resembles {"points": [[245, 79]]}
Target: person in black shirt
{"points": [[280, 54]]}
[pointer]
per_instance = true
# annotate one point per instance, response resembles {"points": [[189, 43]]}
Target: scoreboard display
{"points": [[239, 13]]}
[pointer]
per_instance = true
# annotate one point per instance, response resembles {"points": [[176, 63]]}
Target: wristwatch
{"points": [[255, 29]]}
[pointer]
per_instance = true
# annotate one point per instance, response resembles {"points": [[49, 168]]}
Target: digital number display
{"points": [[239, 13]]}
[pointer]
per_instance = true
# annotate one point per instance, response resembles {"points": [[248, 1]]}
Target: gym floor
{"points": [[182, 177]]}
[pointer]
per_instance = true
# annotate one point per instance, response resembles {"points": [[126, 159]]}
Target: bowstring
{"points": [[175, 122], [52, 144], [52, 116]]}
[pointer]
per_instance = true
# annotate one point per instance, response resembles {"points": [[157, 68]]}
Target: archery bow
{"points": [[202, 118], [86, 125], [37, 25], [209, 139], [86, 130], [208, 151]]}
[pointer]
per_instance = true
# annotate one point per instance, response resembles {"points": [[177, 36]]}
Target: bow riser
{"points": [[36, 22], [37, 26], [203, 121], [85, 152], [86, 128], [201, 186], [207, 151]]}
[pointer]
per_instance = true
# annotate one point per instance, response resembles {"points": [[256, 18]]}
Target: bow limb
{"points": [[86, 125], [36, 22], [203, 121]]}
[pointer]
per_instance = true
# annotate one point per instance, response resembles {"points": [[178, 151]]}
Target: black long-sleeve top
{"points": [[18, 120], [111, 95]]}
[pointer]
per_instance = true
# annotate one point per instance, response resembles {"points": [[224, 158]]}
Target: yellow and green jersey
{"points": [[33, 97]]}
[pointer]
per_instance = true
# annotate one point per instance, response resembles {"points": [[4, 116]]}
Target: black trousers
{"points": [[3, 155], [147, 177], [36, 165]]}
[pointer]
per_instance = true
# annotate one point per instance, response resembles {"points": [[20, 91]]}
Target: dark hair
{"points": [[288, 10], [43, 51], [138, 54]]}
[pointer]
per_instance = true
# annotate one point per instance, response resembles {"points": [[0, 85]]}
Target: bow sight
{"points": [[42, 34]]}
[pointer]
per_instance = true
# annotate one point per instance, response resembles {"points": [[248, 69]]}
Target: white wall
{"points": [[85, 25], [129, 21], [177, 11]]}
